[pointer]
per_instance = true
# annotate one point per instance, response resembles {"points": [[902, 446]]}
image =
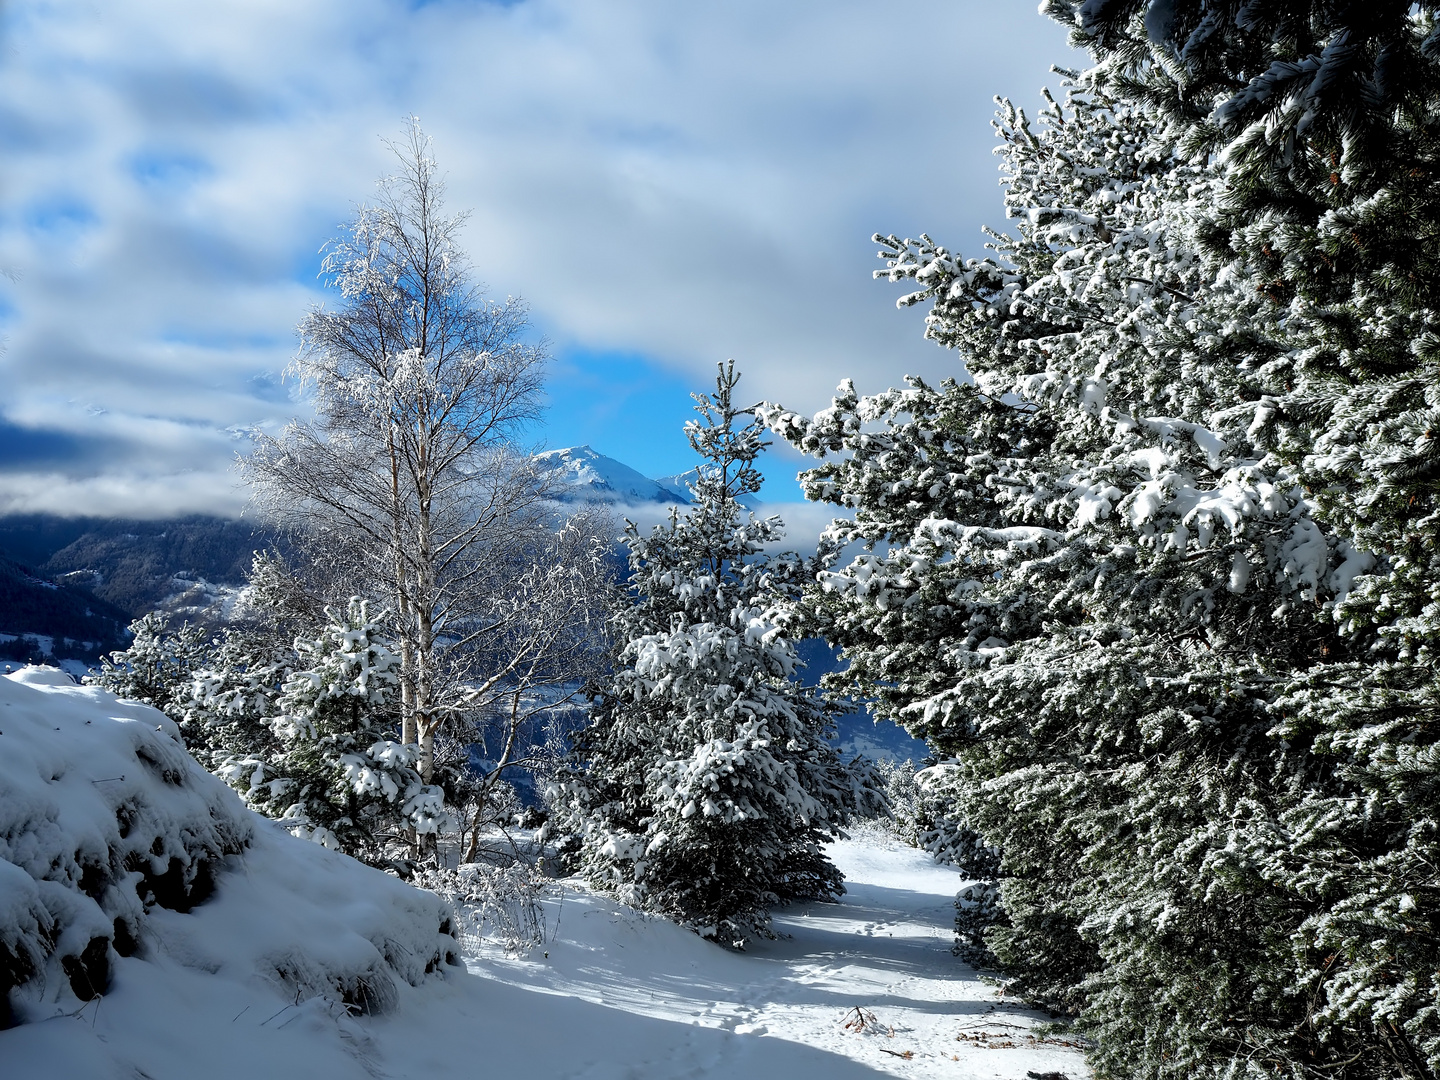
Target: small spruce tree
{"points": [[705, 786], [155, 667]]}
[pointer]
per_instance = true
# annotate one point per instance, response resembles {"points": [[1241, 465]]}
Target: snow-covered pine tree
{"points": [[231, 699], [1093, 576], [1327, 117], [326, 763], [705, 786], [155, 667]]}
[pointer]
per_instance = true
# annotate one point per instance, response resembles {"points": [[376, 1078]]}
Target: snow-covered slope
{"points": [[118, 853], [861, 989], [865, 987], [582, 474], [302, 963]]}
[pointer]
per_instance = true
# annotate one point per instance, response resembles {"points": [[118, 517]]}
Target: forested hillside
{"points": [[134, 564], [69, 586], [72, 622]]}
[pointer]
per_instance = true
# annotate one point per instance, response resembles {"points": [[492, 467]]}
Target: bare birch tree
{"points": [[408, 472]]}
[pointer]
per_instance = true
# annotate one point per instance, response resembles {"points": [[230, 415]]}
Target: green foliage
{"points": [[1162, 585], [308, 738], [705, 787], [156, 667], [303, 729]]}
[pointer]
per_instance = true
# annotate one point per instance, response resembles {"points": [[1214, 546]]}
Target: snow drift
{"points": [[111, 833]]}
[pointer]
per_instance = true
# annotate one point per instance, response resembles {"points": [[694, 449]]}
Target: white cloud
{"points": [[684, 182], [128, 493]]}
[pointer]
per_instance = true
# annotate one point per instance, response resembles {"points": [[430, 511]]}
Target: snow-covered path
{"points": [[879, 960], [618, 997]]}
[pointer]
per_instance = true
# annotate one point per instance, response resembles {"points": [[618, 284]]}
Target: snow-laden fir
{"points": [[706, 783], [1162, 583]]}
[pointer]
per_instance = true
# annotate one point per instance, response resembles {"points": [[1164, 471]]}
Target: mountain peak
{"points": [[584, 474]]}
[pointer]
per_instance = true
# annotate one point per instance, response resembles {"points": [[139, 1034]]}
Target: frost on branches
{"points": [[1164, 594], [705, 787]]}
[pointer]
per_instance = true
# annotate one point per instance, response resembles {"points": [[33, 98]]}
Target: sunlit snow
{"points": [[864, 987]]}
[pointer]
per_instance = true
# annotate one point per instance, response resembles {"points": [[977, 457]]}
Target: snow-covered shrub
{"points": [[494, 902], [229, 701], [304, 727], [943, 832], [316, 923], [705, 786], [103, 815], [922, 807], [107, 825], [977, 912]]}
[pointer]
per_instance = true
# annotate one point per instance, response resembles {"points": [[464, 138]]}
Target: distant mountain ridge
{"points": [[144, 566], [583, 474], [84, 578]]}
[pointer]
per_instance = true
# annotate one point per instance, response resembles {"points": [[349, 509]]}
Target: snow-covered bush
{"points": [[229, 700], [941, 830], [922, 805], [705, 787], [901, 816], [494, 903], [106, 822]]}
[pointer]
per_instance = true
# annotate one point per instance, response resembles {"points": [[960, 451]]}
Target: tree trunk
{"points": [[426, 716], [409, 735]]}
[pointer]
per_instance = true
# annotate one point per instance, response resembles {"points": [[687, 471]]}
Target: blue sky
{"points": [[667, 185]]}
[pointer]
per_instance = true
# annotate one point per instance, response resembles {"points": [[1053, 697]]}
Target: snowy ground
{"points": [[781, 1009], [618, 996]]}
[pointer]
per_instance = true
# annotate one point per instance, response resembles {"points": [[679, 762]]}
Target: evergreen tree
{"points": [[1163, 601], [319, 754], [1327, 118], [155, 668], [231, 700], [705, 787]]}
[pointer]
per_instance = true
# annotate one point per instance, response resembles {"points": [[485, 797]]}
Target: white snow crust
{"points": [[124, 864]]}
